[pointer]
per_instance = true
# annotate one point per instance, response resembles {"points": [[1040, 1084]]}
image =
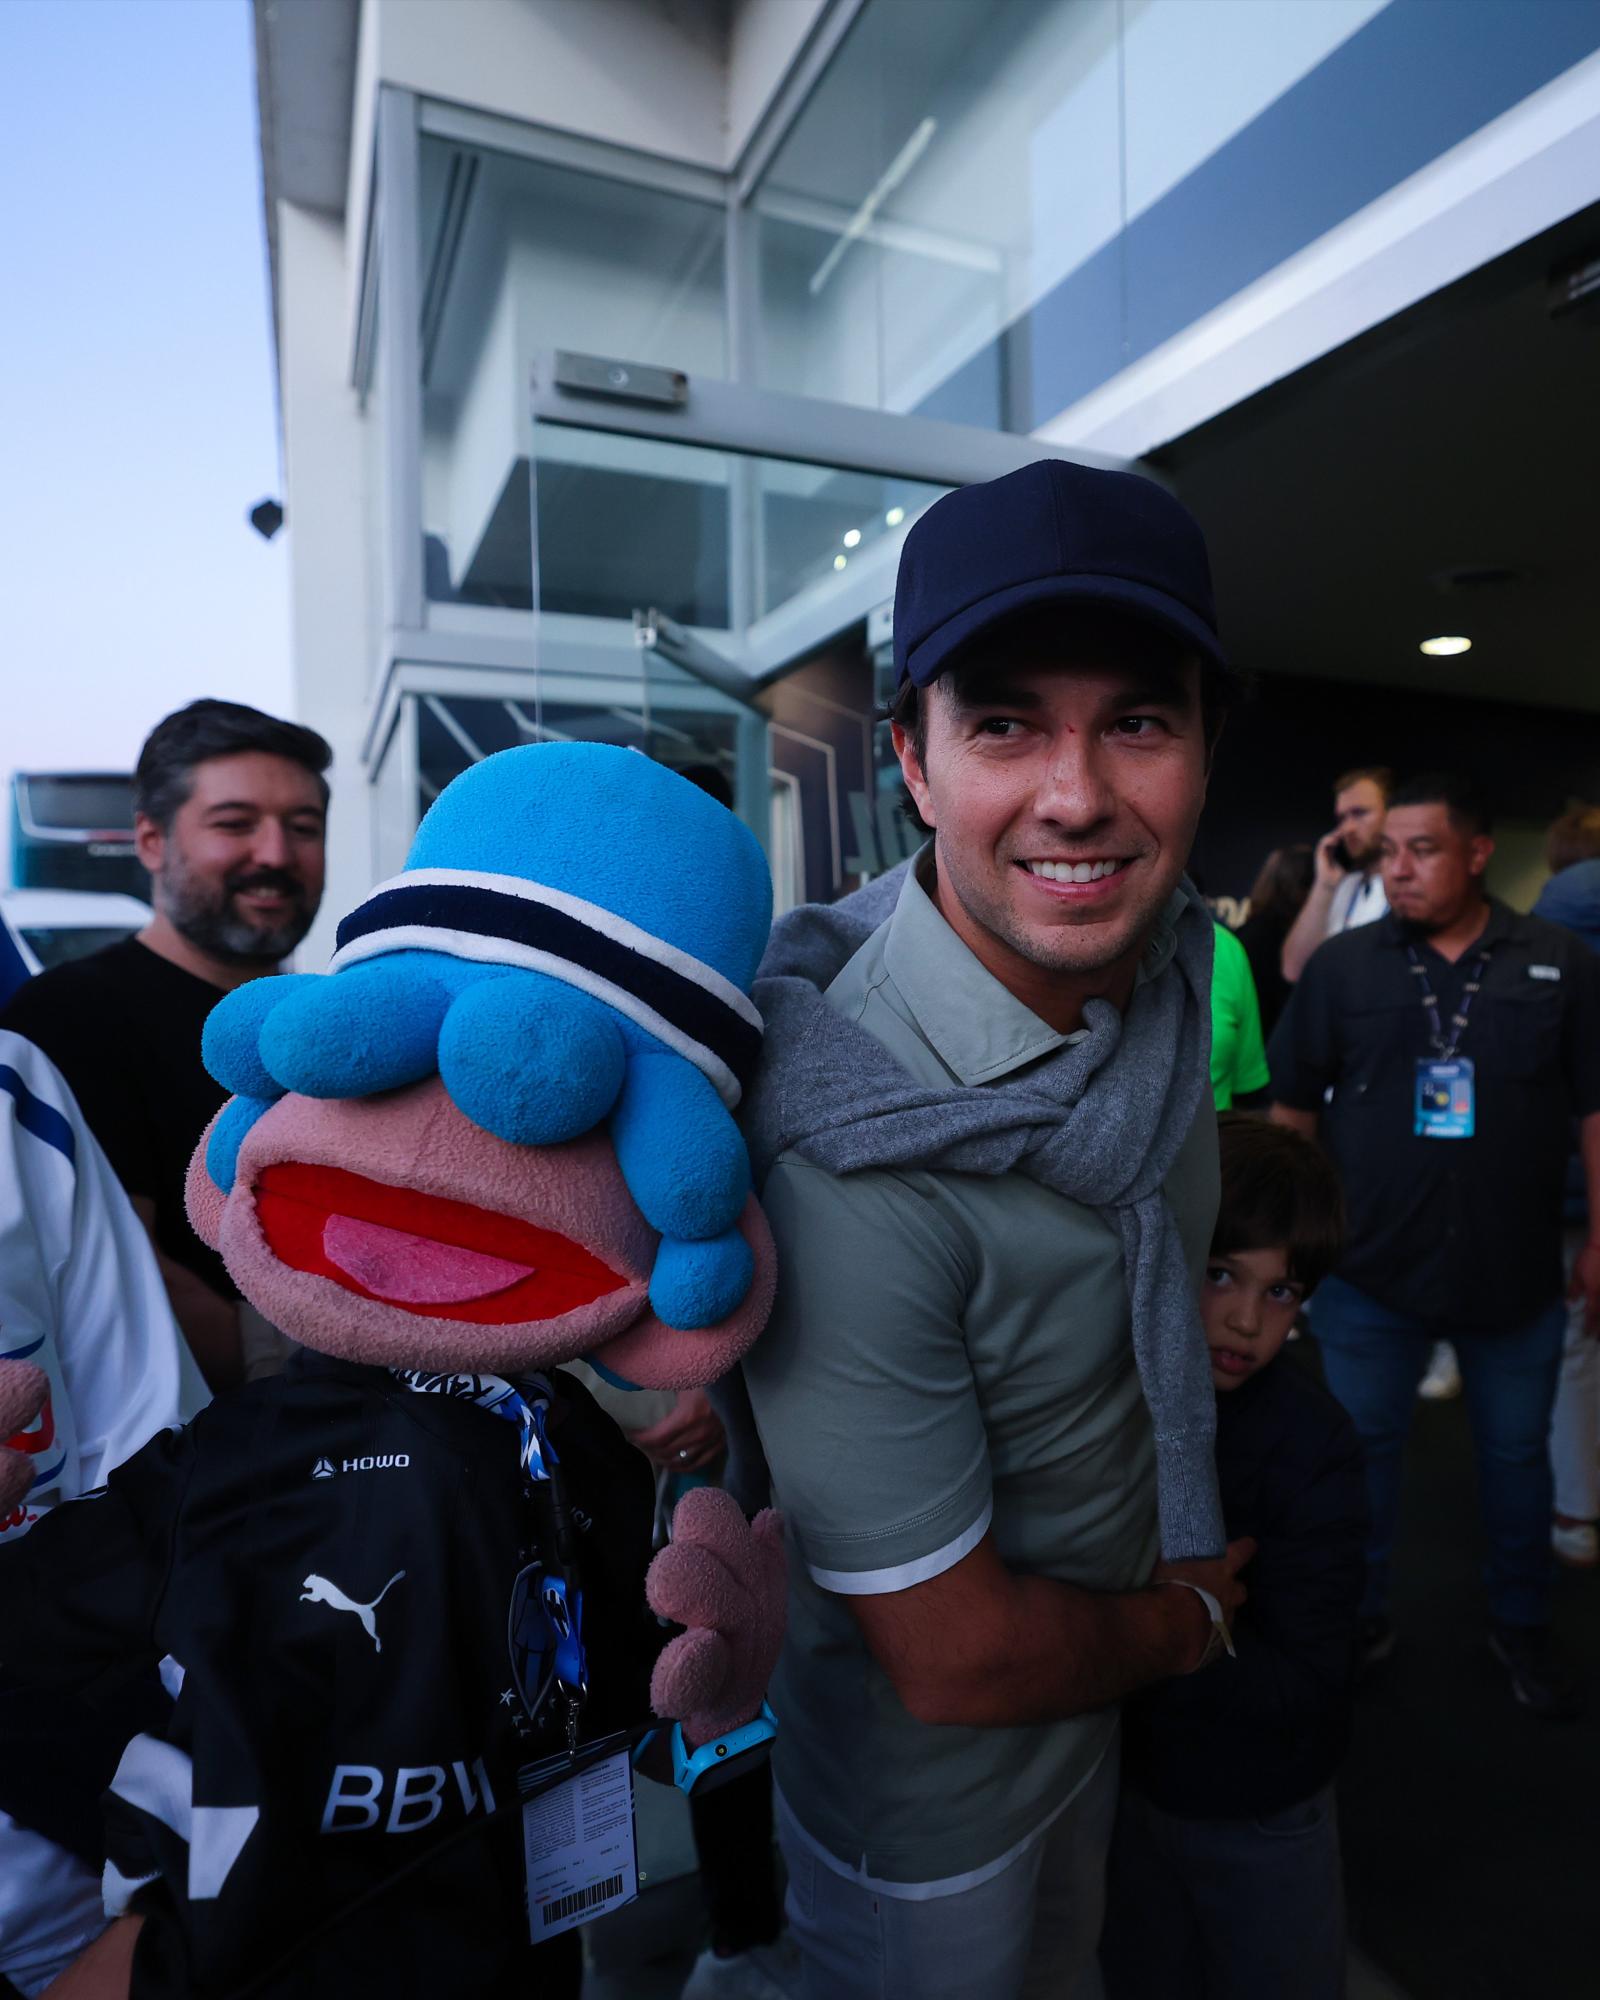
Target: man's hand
{"points": [[1220, 1576], [1586, 1285], [688, 1437], [984, 1648], [1310, 927], [1330, 869]]}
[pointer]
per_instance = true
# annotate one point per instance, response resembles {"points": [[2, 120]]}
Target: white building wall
{"points": [[641, 73], [326, 504]]}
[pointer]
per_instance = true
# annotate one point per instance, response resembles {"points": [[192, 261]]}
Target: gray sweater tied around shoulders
{"points": [[1100, 1120]]}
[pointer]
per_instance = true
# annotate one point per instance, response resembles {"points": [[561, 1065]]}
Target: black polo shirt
{"points": [[1464, 1233]]}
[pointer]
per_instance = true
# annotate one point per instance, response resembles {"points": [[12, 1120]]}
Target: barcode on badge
{"points": [[581, 1899]]}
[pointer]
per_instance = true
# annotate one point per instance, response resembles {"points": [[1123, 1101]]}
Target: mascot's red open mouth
{"points": [[421, 1253]]}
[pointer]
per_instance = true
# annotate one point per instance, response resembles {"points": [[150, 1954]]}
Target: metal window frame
{"points": [[600, 158], [399, 289], [792, 95]]}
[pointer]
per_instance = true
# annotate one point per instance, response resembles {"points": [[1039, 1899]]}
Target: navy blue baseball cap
{"points": [[1049, 533]]}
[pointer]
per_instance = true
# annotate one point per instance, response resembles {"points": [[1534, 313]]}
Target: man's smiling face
{"points": [[1064, 795]]}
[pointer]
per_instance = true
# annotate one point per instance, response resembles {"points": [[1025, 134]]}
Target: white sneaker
{"points": [[764, 1972], [1576, 1543], [1443, 1379]]}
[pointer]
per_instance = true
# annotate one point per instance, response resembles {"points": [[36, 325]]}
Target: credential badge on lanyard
{"points": [[1445, 1099]]}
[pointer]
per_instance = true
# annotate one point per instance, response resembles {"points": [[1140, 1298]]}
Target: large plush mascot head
{"points": [[498, 1134]]}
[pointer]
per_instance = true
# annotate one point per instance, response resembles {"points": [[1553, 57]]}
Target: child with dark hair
{"points": [[1224, 1879]]}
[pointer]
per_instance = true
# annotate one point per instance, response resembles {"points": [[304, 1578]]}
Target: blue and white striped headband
{"points": [[508, 920]]}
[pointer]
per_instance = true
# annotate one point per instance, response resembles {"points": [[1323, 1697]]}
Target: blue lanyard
{"points": [[557, 1576], [545, 1618], [1445, 1051]]}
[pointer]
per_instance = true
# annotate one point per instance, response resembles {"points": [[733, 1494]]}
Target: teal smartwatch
{"points": [[689, 1767]]}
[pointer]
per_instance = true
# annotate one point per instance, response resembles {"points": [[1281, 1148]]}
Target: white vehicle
{"points": [[54, 925]]}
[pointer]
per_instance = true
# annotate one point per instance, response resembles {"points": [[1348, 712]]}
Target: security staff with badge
{"points": [[1442, 1055]]}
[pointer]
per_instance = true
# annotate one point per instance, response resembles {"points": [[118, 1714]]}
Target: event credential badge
{"points": [[1446, 1100], [578, 1845]]}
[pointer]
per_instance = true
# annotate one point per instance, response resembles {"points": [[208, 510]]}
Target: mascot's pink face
{"points": [[392, 1230]]}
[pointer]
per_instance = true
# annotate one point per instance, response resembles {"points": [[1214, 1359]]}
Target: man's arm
{"points": [[1304, 1054], [210, 1322], [863, 1391], [1293, 1645], [1311, 926], [981, 1647], [105, 1970], [1586, 1265], [1580, 1062]]}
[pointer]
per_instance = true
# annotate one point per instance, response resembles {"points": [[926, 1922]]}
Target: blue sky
{"points": [[137, 394]]}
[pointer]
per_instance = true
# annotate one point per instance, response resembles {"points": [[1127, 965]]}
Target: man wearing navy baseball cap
{"points": [[986, 1149]]}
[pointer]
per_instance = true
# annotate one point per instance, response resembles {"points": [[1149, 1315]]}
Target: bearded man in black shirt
{"points": [[230, 814]]}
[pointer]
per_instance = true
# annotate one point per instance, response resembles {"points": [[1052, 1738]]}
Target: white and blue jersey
{"points": [[82, 1299]]}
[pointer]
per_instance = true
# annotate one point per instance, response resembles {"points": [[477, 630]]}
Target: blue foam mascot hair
{"points": [[571, 943]]}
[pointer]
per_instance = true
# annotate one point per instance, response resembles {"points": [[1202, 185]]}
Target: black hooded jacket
{"points": [[1257, 1733]]}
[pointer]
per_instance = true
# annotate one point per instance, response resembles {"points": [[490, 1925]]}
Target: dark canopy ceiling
{"points": [[1463, 435]]}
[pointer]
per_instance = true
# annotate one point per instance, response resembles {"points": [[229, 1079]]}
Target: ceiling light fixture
{"points": [[852, 537], [1443, 649], [840, 561], [894, 517]]}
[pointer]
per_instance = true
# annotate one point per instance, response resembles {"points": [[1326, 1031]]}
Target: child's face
{"points": [[1248, 1303]]}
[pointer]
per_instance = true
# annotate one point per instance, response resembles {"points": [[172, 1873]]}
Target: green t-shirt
{"points": [[949, 1354], [1238, 1053]]}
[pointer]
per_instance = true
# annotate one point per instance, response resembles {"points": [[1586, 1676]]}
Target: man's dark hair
{"points": [[1279, 1192], [1377, 774], [163, 776], [1462, 798], [1034, 634]]}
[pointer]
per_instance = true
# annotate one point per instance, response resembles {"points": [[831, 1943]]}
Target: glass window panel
{"points": [[658, 712], [630, 523], [765, 561], [518, 256], [66, 802], [989, 207], [817, 523], [949, 156]]}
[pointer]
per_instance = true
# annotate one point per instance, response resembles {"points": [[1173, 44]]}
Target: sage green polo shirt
{"points": [[949, 1354]]}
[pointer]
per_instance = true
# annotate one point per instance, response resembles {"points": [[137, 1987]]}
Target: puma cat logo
{"points": [[319, 1590]]}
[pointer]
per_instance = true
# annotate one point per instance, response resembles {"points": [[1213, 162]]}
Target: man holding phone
{"points": [[1348, 889]]}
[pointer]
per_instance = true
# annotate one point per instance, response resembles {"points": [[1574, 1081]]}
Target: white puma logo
{"points": [[319, 1590]]}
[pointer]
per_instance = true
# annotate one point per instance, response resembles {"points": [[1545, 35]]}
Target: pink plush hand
{"points": [[726, 1580], [24, 1390]]}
